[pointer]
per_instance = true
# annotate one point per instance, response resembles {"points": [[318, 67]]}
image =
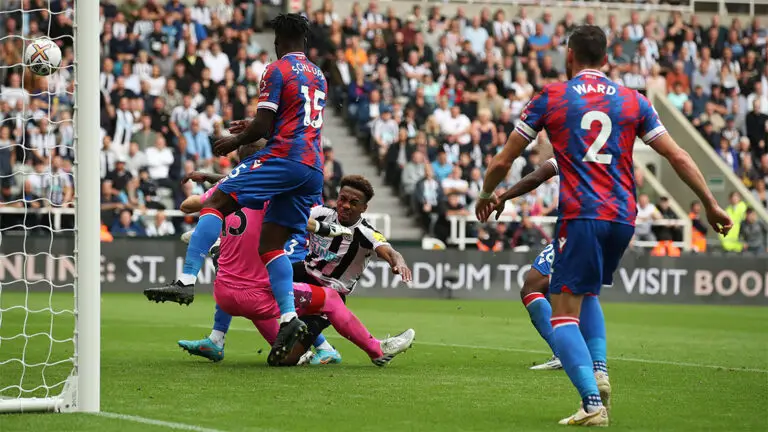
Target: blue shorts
{"points": [[543, 262], [587, 253], [291, 188], [296, 247]]}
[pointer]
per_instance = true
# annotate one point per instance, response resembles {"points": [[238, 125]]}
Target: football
{"points": [[42, 56]]}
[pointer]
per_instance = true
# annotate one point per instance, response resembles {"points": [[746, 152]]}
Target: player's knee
{"points": [[535, 282], [273, 237], [222, 203]]}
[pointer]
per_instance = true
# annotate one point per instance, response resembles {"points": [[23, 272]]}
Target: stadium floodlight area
{"points": [[49, 344]]}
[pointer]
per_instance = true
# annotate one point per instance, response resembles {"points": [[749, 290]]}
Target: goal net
{"points": [[49, 210]]}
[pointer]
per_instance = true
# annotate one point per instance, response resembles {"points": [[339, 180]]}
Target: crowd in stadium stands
{"points": [[436, 96], [433, 96], [172, 76]]}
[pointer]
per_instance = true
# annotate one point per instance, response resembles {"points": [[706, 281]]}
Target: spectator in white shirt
{"points": [[260, 65], [119, 27], [14, 92], [758, 94], [527, 25], [142, 68], [634, 79], [414, 72], [384, 131], [457, 127], [646, 214], [159, 159], [161, 226], [636, 31], [208, 118], [476, 35], [454, 184], [201, 13], [217, 62], [443, 111], [136, 159], [156, 82]]}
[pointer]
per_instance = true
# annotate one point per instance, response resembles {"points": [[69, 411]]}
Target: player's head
{"points": [[291, 32], [354, 194], [586, 49]]}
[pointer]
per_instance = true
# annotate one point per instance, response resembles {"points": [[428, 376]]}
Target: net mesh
{"points": [[37, 227]]}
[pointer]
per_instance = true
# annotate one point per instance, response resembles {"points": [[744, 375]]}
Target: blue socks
{"points": [[541, 311], [593, 329], [319, 341], [221, 320], [281, 277], [207, 231], [576, 360]]}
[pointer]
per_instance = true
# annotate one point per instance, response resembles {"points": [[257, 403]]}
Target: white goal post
{"points": [[80, 391]]}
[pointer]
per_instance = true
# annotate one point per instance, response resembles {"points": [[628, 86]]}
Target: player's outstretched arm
{"points": [[497, 170], [687, 170], [527, 184], [260, 127], [202, 177], [395, 260], [324, 229], [192, 204]]}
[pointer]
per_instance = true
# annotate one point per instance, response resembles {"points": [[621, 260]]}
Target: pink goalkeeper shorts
{"points": [[258, 303]]}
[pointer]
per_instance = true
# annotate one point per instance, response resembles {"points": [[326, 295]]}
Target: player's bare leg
{"points": [[577, 360], [182, 291], [292, 329], [535, 301]]}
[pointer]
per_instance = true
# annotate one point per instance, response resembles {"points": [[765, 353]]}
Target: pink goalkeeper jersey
{"points": [[239, 262]]}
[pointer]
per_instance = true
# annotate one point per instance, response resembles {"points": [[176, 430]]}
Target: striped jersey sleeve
{"points": [[271, 87], [533, 116], [650, 127], [372, 238]]}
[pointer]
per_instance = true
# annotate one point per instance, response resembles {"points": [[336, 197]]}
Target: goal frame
{"points": [[81, 391]]}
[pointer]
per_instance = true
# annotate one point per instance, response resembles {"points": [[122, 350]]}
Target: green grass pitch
{"points": [[681, 368]]}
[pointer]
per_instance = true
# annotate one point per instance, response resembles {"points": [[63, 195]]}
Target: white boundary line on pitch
{"points": [[529, 351], [154, 422]]}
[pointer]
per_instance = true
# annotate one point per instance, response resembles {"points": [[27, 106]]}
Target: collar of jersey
{"points": [[293, 53], [590, 71]]}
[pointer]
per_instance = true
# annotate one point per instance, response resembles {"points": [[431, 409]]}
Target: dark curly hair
{"points": [[360, 183], [290, 27]]}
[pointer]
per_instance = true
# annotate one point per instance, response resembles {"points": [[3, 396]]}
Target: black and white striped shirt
{"points": [[339, 262]]}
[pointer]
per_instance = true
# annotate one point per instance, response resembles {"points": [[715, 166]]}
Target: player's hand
{"points": [[403, 271], [339, 230], [484, 207], [499, 209], [195, 176], [237, 126], [225, 145], [719, 220]]}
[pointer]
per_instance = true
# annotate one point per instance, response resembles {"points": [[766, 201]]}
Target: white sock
{"points": [[217, 337], [325, 346], [187, 279], [284, 318]]}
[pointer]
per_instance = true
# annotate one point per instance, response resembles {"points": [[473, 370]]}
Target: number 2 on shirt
{"points": [[606, 126], [313, 103]]}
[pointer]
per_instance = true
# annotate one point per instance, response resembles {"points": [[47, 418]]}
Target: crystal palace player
{"points": [[287, 173], [592, 123]]}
